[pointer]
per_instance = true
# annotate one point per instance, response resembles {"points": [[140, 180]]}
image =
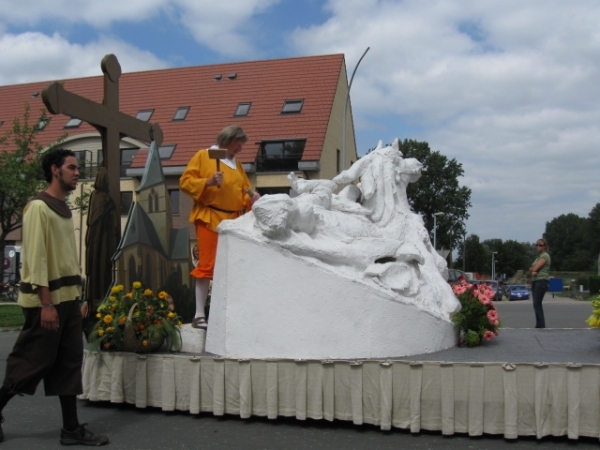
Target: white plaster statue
{"points": [[366, 232]]}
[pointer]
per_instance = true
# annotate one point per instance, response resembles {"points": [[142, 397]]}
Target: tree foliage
{"points": [[569, 242], [511, 256], [438, 190], [21, 175]]}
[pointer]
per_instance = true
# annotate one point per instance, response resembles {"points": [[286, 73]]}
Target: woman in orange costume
{"points": [[217, 195]]}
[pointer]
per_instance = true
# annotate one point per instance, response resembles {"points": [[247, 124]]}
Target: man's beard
{"points": [[64, 186]]}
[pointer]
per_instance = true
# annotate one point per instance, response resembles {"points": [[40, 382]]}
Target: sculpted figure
{"points": [[365, 231]]}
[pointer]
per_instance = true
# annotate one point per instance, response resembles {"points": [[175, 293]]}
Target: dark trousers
{"points": [[53, 356], [538, 289]]}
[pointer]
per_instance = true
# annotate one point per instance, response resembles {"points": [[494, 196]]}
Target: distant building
{"points": [[292, 110]]}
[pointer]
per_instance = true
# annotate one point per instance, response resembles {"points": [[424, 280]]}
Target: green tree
{"points": [[21, 175], [594, 230], [473, 256], [569, 244], [438, 190]]}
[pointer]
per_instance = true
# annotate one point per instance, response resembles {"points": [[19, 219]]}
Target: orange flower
{"points": [[108, 319], [122, 319], [145, 343]]}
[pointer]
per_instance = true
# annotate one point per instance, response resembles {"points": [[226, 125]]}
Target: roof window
{"points": [[292, 106], [73, 122], [166, 151], [242, 109], [232, 76], [181, 113], [144, 114], [43, 123], [218, 77]]}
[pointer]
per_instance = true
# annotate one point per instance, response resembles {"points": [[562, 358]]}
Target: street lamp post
{"points": [[346, 111], [435, 228], [494, 266]]}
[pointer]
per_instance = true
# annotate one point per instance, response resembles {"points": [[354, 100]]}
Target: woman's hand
{"points": [[215, 180], [254, 198]]}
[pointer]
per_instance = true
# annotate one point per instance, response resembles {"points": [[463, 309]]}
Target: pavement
{"points": [[33, 422]]}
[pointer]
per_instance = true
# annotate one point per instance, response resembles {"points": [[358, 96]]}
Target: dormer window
{"points": [[144, 114], [181, 113], [242, 109], [292, 106]]}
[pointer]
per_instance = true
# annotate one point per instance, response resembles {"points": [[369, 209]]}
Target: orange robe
{"points": [[212, 204]]}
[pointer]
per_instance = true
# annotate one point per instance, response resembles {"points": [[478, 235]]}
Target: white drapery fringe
{"points": [[474, 398]]}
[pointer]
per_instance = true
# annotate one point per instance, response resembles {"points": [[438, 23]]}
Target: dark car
{"points": [[455, 276], [518, 292], [496, 288]]}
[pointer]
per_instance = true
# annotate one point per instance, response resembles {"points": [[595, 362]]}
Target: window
{"points": [[127, 155], [43, 123], [280, 156], [1, 122], [126, 201], [84, 158], [73, 122], [181, 113], [242, 109], [166, 151], [338, 160], [174, 193], [292, 106], [144, 114]]}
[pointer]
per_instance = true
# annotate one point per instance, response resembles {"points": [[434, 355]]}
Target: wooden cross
{"points": [[106, 118]]}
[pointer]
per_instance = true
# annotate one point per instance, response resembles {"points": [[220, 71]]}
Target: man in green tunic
{"points": [[50, 345]]}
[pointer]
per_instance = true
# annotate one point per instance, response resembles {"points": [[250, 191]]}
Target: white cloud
{"points": [[225, 27], [95, 13], [507, 88], [35, 57]]}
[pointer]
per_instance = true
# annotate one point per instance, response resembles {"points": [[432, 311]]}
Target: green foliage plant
{"points": [[477, 319]]}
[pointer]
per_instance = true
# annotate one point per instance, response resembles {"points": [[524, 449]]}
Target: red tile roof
{"points": [[266, 84]]}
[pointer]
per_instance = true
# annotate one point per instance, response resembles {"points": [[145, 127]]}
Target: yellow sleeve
{"points": [[193, 180]]}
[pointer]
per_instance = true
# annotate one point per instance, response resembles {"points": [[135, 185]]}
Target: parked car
{"points": [[518, 292], [455, 275], [496, 288]]}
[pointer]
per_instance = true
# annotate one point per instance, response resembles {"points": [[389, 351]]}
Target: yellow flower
{"points": [[98, 315], [116, 289], [148, 292], [122, 319], [162, 294], [145, 343], [100, 332], [108, 319], [592, 321], [110, 329], [179, 323], [171, 315], [137, 285], [112, 298]]}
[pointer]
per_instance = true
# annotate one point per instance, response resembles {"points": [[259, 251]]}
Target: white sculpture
{"points": [[366, 233]]}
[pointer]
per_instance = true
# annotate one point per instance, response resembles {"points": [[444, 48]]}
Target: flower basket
{"points": [[130, 340], [477, 319], [137, 322]]}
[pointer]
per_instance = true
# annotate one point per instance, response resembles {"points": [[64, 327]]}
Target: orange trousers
{"points": [[207, 251]]}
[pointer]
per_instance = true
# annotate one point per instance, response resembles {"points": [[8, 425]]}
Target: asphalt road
{"points": [[34, 422]]}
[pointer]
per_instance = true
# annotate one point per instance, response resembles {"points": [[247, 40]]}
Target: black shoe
{"points": [[81, 436]]}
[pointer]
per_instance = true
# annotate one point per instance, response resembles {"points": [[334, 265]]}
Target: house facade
{"points": [[292, 110]]}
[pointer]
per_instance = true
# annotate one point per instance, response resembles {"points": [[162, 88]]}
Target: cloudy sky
{"points": [[510, 88]]}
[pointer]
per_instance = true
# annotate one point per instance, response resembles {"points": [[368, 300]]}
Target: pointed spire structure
{"points": [[153, 173]]}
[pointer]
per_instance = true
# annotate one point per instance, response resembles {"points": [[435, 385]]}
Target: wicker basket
{"points": [[131, 342]]}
